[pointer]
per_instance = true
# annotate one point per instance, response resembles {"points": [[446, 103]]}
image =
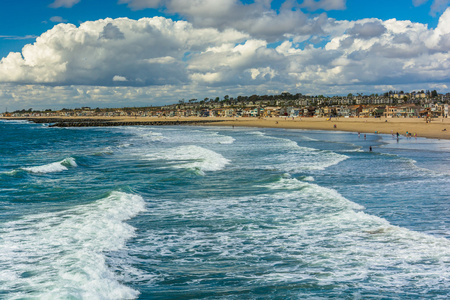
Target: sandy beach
{"points": [[438, 128]]}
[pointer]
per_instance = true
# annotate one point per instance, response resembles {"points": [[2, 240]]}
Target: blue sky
{"points": [[206, 48]]}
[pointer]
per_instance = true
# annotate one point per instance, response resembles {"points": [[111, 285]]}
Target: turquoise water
{"points": [[221, 213]]}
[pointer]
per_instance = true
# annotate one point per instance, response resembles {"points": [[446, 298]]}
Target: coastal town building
{"points": [[390, 105]]}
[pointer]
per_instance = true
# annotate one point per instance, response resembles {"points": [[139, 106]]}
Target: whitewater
{"points": [[189, 212]]}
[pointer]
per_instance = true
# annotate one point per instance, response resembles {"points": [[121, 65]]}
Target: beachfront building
{"points": [[343, 111], [271, 111], [367, 111], [308, 111], [402, 111], [372, 111], [355, 110], [389, 112]]}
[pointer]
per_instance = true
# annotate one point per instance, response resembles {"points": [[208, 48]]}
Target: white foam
{"points": [[223, 139], [15, 121], [288, 156], [10, 173], [53, 167], [63, 255], [192, 157], [301, 232]]}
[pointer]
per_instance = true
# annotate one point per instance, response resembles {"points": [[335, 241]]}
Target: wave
{"points": [[10, 173], [64, 254], [309, 234], [168, 135], [290, 157], [15, 121], [53, 167], [192, 157], [223, 139]]}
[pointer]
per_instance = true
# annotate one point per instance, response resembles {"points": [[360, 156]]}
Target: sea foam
{"points": [[53, 167], [62, 255], [301, 233], [192, 157], [288, 156]]}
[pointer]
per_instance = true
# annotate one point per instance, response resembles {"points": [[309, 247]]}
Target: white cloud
{"points": [[57, 19], [64, 3], [367, 30], [95, 52], [15, 37], [437, 6], [314, 5], [119, 78], [257, 19], [157, 58]]}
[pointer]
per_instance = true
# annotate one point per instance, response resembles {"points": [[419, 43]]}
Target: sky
{"points": [[118, 53]]}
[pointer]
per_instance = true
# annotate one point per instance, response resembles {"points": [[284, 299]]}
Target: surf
{"points": [[192, 158], [54, 167], [65, 254]]}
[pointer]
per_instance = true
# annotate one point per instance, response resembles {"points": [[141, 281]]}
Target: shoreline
{"points": [[438, 128]]}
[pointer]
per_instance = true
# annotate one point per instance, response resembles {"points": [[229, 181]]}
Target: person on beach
{"points": [[370, 148]]}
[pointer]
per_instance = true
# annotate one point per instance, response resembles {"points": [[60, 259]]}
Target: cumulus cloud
{"points": [[163, 59], [257, 18], [119, 78], [64, 3], [367, 30], [437, 6], [112, 32], [95, 52]]}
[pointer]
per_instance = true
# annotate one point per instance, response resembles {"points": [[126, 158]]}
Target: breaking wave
{"points": [[53, 167], [63, 255], [192, 157]]}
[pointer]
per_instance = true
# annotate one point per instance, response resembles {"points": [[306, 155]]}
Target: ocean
{"points": [[191, 212]]}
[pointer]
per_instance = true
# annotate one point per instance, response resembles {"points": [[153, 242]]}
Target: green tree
{"points": [[434, 94]]}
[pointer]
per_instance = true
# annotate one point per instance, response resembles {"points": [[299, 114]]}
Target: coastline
{"points": [[438, 128]]}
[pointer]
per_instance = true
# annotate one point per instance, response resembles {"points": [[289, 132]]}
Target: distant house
{"points": [[366, 111], [308, 111], [271, 111], [355, 110], [343, 111]]}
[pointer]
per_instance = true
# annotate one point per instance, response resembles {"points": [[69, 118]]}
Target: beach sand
{"points": [[438, 128]]}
